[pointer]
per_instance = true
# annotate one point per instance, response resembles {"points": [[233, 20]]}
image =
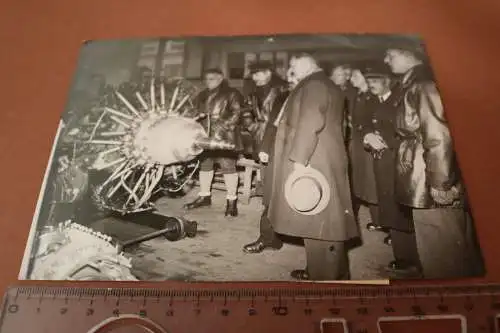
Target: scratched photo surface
{"points": [[255, 158]]}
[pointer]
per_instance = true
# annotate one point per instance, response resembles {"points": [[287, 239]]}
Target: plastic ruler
{"points": [[311, 308]]}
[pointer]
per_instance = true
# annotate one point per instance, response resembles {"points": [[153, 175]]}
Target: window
{"points": [[173, 59], [169, 59], [174, 47], [281, 63], [249, 58], [150, 48], [266, 56], [172, 65], [172, 71], [147, 61], [236, 65]]}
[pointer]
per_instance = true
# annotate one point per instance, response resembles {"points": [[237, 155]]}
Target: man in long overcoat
{"points": [[310, 133], [363, 184]]}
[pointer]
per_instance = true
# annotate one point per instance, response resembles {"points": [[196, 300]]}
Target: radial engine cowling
{"points": [[171, 140]]}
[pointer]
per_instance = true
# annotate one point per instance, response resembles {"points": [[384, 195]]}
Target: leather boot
{"points": [[200, 201], [231, 208]]}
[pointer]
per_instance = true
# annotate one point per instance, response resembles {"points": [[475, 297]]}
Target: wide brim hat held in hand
{"points": [[307, 191]]}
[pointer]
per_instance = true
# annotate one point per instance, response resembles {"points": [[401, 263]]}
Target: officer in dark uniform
{"points": [[382, 141]]}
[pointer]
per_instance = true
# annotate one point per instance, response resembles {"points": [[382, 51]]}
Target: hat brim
{"points": [[257, 70], [320, 178], [376, 76]]}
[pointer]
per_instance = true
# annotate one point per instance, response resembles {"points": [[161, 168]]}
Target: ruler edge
{"points": [[219, 290], [13, 291]]}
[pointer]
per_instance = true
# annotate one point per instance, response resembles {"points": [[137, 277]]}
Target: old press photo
{"points": [[255, 158]]}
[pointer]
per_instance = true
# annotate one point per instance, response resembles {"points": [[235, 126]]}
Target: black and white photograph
{"points": [[324, 157]]}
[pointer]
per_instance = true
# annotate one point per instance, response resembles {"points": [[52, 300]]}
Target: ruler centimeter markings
{"points": [[306, 309]]}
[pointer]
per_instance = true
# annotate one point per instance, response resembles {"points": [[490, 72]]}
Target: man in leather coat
{"points": [[218, 107], [428, 178], [267, 99]]}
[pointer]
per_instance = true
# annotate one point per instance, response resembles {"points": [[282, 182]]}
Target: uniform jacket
{"points": [[361, 160], [222, 108], [426, 157], [311, 133], [383, 122]]}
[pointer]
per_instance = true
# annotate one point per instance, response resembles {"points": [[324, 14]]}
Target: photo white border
{"points": [[26, 261]]}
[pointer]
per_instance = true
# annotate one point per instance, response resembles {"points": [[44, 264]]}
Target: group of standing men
{"points": [[379, 136]]}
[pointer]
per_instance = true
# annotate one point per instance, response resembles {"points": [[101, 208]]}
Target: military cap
{"points": [[417, 49], [376, 70], [260, 66], [214, 70]]}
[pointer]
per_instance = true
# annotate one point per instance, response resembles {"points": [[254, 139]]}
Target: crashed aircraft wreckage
{"points": [[137, 144]]}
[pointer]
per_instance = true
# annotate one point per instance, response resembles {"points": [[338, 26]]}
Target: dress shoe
{"points": [[374, 227], [388, 240], [402, 268], [300, 274], [201, 201], [231, 208], [259, 245]]}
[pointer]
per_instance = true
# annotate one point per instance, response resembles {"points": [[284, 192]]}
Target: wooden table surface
{"points": [[40, 41]]}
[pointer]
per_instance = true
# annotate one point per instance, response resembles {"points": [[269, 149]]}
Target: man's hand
{"points": [[264, 157], [446, 197], [375, 141]]}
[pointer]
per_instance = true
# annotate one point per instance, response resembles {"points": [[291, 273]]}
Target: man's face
{"points": [[300, 67], [291, 78], [247, 121], [378, 85], [261, 78], [213, 80], [348, 73], [339, 76], [398, 61], [357, 79]]}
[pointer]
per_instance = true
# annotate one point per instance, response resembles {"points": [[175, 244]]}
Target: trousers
{"points": [[446, 243], [267, 233], [326, 260], [373, 208], [404, 246]]}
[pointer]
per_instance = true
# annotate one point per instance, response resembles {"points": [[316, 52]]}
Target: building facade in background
{"points": [[189, 58]]}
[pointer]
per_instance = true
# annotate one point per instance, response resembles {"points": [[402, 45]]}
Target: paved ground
{"points": [[215, 254]]}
